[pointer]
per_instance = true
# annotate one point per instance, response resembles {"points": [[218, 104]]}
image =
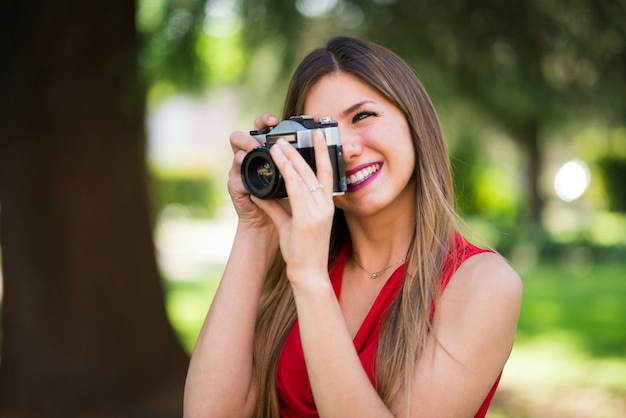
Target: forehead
{"points": [[336, 92]]}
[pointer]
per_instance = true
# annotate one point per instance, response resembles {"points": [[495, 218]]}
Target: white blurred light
{"points": [[350, 14], [572, 180], [315, 8], [222, 18]]}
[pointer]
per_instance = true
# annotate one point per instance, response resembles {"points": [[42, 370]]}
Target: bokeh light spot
{"points": [[572, 180]]}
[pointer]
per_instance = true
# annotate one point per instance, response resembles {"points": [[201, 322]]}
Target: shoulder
{"points": [[474, 327], [487, 274], [484, 295]]}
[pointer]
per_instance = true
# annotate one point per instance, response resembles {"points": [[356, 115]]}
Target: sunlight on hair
{"points": [[572, 180]]}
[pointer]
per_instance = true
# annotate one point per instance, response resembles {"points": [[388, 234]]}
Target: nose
{"points": [[352, 148]]}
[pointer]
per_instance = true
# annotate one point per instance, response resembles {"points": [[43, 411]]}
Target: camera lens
{"points": [[265, 174], [260, 175]]}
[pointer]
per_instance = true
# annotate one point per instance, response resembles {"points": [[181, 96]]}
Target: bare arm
{"points": [[219, 380], [474, 328], [340, 385]]}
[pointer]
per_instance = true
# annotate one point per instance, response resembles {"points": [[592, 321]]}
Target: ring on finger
{"points": [[315, 187]]}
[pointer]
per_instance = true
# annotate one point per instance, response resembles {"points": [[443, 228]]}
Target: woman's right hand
{"points": [[242, 143]]}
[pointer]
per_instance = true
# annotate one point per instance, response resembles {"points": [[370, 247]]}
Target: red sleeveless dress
{"points": [[294, 388]]}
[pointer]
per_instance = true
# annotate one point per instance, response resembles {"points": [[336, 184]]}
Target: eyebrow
{"points": [[354, 107]]}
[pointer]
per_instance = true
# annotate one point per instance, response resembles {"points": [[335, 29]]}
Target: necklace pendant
{"points": [[373, 275]]}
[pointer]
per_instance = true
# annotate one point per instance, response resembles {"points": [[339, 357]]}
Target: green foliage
{"points": [[519, 60], [189, 44], [170, 30], [187, 303], [195, 192], [578, 296], [614, 171], [613, 167], [223, 56], [485, 184], [508, 78]]}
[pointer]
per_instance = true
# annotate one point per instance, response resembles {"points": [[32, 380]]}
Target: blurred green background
{"points": [[531, 95], [532, 98]]}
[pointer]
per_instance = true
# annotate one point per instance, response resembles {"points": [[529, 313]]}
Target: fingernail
{"points": [[277, 149]]}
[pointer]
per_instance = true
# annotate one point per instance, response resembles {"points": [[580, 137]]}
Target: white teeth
{"points": [[363, 174]]}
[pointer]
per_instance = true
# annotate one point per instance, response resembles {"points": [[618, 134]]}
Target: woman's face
{"points": [[378, 150]]}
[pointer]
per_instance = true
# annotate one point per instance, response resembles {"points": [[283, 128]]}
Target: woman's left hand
{"points": [[304, 227]]}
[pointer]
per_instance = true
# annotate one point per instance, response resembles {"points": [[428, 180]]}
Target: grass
{"points": [[588, 304], [569, 359], [188, 302]]}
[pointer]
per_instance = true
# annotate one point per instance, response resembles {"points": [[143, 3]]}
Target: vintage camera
{"points": [[260, 175]]}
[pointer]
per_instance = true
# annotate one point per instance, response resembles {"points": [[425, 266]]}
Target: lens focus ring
{"points": [[260, 175]]}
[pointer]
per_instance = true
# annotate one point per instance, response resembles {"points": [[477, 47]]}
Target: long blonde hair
{"points": [[408, 321]]}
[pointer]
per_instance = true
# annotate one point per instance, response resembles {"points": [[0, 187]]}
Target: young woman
{"points": [[368, 304]]}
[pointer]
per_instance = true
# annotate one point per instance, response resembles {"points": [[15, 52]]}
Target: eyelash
{"points": [[362, 115]]}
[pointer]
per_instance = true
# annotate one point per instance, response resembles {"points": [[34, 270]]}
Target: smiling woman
{"points": [[368, 303], [379, 169]]}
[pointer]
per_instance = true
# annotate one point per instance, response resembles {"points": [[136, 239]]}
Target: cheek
{"points": [[400, 142], [404, 150], [378, 137]]}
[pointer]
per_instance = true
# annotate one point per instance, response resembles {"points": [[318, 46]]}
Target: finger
{"points": [[285, 163], [242, 141], [265, 121], [323, 164], [274, 209], [235, 181], [238, 160], [292, 165]]}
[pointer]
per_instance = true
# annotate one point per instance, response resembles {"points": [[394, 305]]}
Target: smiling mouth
{"points": [[362, 175]]}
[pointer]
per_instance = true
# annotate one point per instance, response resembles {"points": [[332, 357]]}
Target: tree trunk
{"points": [[84, 328], [529, 139]]}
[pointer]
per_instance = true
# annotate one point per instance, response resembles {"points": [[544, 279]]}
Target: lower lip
{"points": [[364, 183]]}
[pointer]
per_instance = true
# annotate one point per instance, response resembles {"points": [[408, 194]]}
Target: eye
{"points": [[362, 115]]}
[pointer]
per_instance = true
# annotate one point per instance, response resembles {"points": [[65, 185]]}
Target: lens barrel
{"points": [[260, 175]]}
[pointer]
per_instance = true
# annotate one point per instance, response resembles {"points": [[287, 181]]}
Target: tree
{"points": [[84, 328]]}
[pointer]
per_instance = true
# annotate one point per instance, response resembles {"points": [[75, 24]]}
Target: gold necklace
{"points": [[375, 275]]}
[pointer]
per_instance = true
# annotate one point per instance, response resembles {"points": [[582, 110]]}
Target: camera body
{"points": [[259, 173]]}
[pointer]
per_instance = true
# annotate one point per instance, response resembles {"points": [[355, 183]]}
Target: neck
{"points": [[383, 236], [377, 243]]}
